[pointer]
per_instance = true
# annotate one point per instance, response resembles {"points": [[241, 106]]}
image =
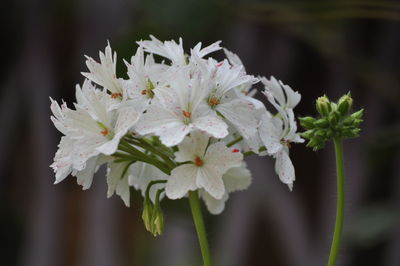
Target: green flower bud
{"points": [[307, 122], [157, 221], [344, 104], [323, 105], [322, 123], [147, 214], [357, 122], [355, 132], [333, 118], [358, 115], [307, 134], [348, 121], [320, 133]]}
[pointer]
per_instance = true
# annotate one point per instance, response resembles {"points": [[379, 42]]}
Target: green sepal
{"points": [[323, 122], [307, 122]]}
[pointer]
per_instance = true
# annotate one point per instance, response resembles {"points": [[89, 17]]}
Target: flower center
{"points": [[186, 114], [105, 132], [198, 162], [116, 95], [213, 101], [149, 89], [286, 142]]}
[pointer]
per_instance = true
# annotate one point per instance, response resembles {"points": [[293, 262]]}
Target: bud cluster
{"points": [[335, 121]]}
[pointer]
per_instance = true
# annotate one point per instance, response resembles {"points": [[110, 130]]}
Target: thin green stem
{"points": [[152, 183], [140, 156], [340, 203], [155, 151], [200, 228], [233, 142]]}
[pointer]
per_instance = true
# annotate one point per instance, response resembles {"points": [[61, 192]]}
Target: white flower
{"points": [[240, 110], [277, 132], [205, 165], [235, 179], [180, 109], [144, 74], [104, 73], [95, 127]]}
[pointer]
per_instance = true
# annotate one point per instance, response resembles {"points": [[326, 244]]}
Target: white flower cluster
{"points": [[180, 125]]}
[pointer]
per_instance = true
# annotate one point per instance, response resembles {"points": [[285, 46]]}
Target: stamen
{"points": [[143, 92], [287, 143], [186, 114], [116, 95], [198, 162], [105, 132], [213, 101]]}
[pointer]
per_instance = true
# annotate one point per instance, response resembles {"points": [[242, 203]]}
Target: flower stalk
{"points": [[335, 246], [200, 228], [336, 123]]}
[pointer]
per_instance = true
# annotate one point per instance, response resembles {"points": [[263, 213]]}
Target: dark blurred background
{"points": [[316, 47]]}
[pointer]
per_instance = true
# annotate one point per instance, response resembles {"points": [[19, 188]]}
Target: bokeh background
{"points": [[316, 47]]}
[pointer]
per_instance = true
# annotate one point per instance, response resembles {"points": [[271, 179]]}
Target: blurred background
{"points": [[316, 47]]}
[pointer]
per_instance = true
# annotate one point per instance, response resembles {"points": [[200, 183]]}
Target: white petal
{"points": [[103, 73], [59, 116], [242, 114], [206, 50], [233, 58], [117, 180], [127, 117], [211, 180], [168, 49], [274, 91], [62, 165], [110, 147], [214, 206], [212, 124], [237, 178], [192, 146], [163, 123], [270, 133], [221, 158], [284, 168], [181, 181], [293, 97], [85, 148], [123, 190], [85, 176]]}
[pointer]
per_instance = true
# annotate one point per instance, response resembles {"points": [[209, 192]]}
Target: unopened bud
{"points": [[147, 214], [323, 105], [345, 103], [358, 115], [307, 134], [322, 123], [157, 221], [307, 122]]}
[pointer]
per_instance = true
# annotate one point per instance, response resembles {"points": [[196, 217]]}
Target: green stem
{"points": [[340, 203], [200, 228], [233, 142]]}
